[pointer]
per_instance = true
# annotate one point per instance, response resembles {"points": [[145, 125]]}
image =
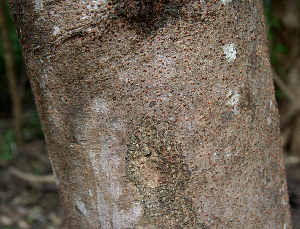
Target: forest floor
{"points": [[28, 203], [293, 180]]}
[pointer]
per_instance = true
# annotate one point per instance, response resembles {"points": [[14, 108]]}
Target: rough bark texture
{"points": [[157, 114]]}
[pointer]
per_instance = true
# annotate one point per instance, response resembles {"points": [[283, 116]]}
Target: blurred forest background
{"points": [[28, 195]]}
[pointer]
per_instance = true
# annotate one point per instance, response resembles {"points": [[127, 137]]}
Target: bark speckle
{"points": [[227, 116], [144, 108]]}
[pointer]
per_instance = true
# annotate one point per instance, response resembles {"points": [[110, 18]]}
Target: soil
{"points": [[35, 205]]}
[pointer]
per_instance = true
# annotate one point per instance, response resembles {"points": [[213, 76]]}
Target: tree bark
{"points": [[157, 114]]}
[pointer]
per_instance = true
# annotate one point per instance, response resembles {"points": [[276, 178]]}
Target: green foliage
{"points": [[13, 37], [7, 143], [273, 24], [32, 129], [280, 94], [276, 49], [18, 58], [38, 170]]}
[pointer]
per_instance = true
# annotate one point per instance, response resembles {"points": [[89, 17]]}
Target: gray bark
{"points": [[157, 114]]}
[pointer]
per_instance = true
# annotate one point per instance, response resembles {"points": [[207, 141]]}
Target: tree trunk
{"points": [[157, 113]]}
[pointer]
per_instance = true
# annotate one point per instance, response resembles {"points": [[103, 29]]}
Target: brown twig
{"points": [[31, 177], [293, 96], [286, 89]]}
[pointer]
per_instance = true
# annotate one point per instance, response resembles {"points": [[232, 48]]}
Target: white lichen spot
{"points": [[233, 100], [84, 16], [230, 52], [81, 207], [90, 193], [284, 226], [56, 30], [101, 105], [39, 4], [94, 4], [225, 1], [269, 120], [228, 152]]}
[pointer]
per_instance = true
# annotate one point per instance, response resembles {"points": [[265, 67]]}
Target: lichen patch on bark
{"points": [[230, 52], [158, 169]]}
